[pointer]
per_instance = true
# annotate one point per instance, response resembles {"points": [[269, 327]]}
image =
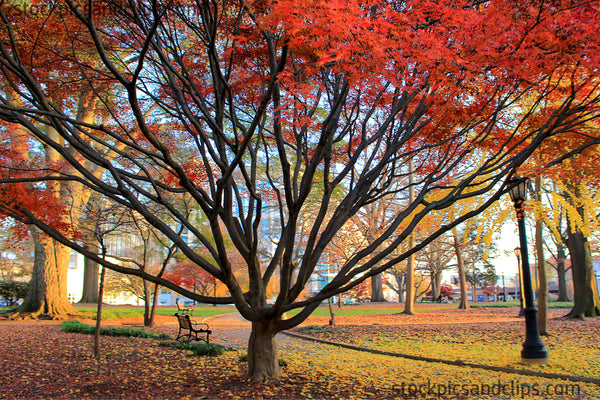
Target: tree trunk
{"points": [[263, 363], [148, 315], [377, 289], [48, 286], [462, 277], [401, 287], [99, 314], [409, 301], [542, 295], [586, 301], [561, 273], [436, 287], [331, 313], [90, 281], [90, 276], [154, 304]]}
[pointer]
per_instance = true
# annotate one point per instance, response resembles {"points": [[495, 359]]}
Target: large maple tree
{"points": [[46, 41], [257, 111]]}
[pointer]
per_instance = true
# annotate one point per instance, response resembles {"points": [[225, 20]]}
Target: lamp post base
{"points": [[534, 351]]}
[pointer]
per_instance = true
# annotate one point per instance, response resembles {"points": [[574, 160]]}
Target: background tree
{"points": [[433, 260], [187, 274], [542, 277], [13, 291], [586, 301], [49, 39], [484, 276], [16, 255], [571, 214], [243, 105]]}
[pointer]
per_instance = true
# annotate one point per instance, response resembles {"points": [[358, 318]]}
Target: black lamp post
{"points": [[503, 289], [519, 292], [534, 351]]}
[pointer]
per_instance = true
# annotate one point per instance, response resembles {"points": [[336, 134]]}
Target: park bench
{"points": [[182, 309], [191, 330]]}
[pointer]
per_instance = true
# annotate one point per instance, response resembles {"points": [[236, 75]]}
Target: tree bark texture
{"points": [[99, 314], [409, 301], [263, 362], [542, 294], [586, 301], [48, 286], [436, 285], [91, 273], [401, 287], [377, 289], [90, 281], [149, 306], [561, 273], [462, 277]]}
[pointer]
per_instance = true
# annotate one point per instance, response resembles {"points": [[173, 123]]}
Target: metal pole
{"points": [[503, 289], [519, 292], [534, 351]]}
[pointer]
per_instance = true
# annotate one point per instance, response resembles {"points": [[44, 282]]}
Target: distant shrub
{"points": [[12, 291], [199, 348], [78, 327]]}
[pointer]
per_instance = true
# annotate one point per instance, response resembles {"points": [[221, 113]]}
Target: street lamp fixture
{"points": [[534, 351], [519, 292]]}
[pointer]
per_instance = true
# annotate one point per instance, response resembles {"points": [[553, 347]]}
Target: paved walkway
{"points": [[230, 330]]}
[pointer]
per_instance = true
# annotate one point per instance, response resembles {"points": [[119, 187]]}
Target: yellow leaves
{"points": [[139, 368], [576, 205]]}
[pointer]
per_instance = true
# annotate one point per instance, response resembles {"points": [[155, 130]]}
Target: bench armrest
{"points": [[200, 324]]}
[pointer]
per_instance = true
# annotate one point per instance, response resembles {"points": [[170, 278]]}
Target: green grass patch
{"points": [[124, 312], [7, 309], [375, 309], [198, 348], [560, 304], [495, 304], [514, 303], [78, 327]]}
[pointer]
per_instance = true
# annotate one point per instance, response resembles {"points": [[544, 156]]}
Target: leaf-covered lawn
{"points": [[573, 345], [40, 361]]}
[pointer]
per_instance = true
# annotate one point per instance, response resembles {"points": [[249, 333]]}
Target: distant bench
{"points": [[191, 330], [181, 308]]}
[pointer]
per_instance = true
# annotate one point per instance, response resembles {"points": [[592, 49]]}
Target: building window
{"points": [[73, 260]]}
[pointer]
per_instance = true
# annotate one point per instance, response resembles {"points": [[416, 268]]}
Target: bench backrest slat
{"points": [[184, 321]]}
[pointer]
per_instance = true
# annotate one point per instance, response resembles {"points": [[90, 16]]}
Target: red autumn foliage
{"points": [[191, 277]]}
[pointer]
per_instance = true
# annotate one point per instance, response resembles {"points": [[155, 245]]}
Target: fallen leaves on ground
{"points": [[40, 361], [573, 345]]}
